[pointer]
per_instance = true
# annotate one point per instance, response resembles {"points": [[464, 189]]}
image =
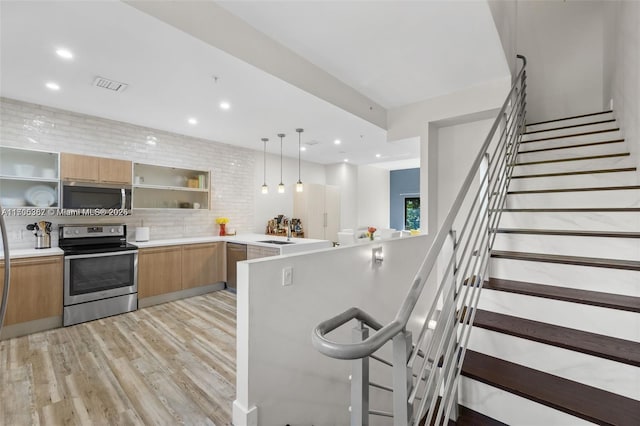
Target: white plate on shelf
{"points": [[40, 196]]}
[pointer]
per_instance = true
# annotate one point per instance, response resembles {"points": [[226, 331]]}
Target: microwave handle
{"points": [[123, 206]]}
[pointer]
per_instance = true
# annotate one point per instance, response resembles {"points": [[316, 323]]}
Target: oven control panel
{"points": [[89, 231]]}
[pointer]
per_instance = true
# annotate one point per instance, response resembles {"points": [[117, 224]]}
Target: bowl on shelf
{"points": [[12, 202], [23, 170]]}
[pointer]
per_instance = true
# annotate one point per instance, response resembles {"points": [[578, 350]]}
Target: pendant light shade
{"points": [[299, 187], [265, 188], [281, 185]]}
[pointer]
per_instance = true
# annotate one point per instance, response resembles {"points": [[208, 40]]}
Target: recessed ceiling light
{"points": [[52, 86], [225, 105], [346, 160], [337, 142], [64, 53], [192, 121], [378, 156], [303, 148]]}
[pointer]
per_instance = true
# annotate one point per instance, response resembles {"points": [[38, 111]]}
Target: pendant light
{"points": [[265, 188], [281, 185], [299, 187]]}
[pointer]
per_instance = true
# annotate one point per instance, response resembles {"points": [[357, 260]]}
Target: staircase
{"points": [[557, 328]]}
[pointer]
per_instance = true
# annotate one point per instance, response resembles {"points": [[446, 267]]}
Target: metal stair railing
{"points": [[425, 374]]}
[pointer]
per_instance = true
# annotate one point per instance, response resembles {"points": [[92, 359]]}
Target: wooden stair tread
{"points": [[569, 260], [569, 118], [574, 210], [571, 135], [594, 188], [585, 297], [619, 350], [551, 129], [562, 160], [568, 233], [579, 145], [469, 417], [573, 173], [586, 402]]}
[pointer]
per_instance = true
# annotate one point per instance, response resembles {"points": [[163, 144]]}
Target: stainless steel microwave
{"points": [[83, 195]]}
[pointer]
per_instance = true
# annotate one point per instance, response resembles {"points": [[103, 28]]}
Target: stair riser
{"points": [[510, 408], [582, 221], [582, 120], [590, 370], [616, 281], [572, 166], [569, 140], [600, 247], [583, 151], [584, 199], [575, 181], [593, 319], [570, 130]]}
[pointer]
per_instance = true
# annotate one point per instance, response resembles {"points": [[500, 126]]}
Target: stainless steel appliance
{"points": [[82, 195], [100, 272], [235, 253], [7, 269]]}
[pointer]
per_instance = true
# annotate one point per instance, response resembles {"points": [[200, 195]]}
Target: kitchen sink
{"points": [[276, 242]]}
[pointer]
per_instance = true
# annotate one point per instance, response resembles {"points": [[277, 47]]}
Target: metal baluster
{"points": [[402, 378], [360, 382]]}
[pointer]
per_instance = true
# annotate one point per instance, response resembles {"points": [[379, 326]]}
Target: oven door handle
{"points": [[87, 256], [123, 193]]}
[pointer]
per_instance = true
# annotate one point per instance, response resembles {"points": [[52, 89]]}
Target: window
{"points": [[412, 213]]}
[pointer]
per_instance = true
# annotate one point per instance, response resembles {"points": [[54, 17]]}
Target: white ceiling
{"points": [[170, 72]]}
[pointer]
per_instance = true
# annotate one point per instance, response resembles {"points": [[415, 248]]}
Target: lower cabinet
{"points": [[159, 271], [202, 264], [36, 289], [256, 252], [169, 269]]}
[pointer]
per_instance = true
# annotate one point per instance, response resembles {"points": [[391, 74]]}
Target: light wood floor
{"points": [[164, 365]]}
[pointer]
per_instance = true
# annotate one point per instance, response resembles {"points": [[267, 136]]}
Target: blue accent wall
{"points": [[402, 183]]}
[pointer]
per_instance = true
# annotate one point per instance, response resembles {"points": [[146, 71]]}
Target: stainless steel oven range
{"points": [[100, 272]]}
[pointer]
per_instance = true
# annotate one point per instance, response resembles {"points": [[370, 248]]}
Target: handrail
{"points": [[7, 270], [384, 334]]}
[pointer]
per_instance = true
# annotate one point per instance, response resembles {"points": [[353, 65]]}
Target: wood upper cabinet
{"points": [[86, 168], [115, 171], [202, 264], [36, 289], [159, 271], [79, 167]]}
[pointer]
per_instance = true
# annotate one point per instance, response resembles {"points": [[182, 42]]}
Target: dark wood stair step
{"points": [[586, 402], [562, 160], [614, 349], [585, 297], [466, 417], [570, 126], [568, 233], [571, 135], [575, 173], [579, 145], [595, 188], [569, 118], [630, 265]]}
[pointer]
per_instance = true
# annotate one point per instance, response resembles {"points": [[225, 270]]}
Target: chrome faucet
{"points": [[289, 231]]}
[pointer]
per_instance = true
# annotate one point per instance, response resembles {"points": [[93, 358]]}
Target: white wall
{"points": [[345, 177], [278, 370], [505, 15], [267, 206], [622, 69], [373, 197], [563, 42]]}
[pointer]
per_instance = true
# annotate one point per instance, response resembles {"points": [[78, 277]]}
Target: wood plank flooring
{"points": [[167, 364]]}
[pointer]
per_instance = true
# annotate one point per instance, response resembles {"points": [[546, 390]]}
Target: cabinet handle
{"points": [[325, 220]]}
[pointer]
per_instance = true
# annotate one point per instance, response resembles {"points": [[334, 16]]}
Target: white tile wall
{"points": [[30, 126]]}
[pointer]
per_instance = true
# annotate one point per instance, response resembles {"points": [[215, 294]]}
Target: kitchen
{"points": [[69, 127]]}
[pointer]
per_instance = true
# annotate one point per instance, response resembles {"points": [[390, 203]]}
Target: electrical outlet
{"points": [[287, 275]]}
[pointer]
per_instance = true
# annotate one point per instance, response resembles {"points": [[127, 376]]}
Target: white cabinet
{"points": [[318, 207], [28, 178], [159, 187]]}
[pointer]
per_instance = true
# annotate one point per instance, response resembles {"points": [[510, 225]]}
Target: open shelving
{"points": [[162, 187], [26, 172]]}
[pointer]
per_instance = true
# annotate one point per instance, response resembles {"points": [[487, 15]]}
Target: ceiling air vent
{"points": [[312, 142], [112, 85]]}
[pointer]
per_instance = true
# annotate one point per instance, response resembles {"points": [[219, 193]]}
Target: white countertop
{"points": [[300, 244], [15, 254]]}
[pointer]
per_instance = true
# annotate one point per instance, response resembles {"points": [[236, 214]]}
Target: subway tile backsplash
{"points": [[30, 126]]}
